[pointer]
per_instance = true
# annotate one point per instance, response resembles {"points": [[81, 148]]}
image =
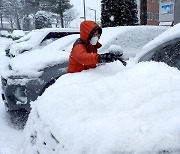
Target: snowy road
{"points": [[10, 138]]}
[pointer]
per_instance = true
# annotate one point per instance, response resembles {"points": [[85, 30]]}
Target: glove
{"points": [[107, 58]]}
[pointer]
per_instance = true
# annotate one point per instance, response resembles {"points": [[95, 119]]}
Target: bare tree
{"points": [[14, 11], [69, 16], [1, 12]]}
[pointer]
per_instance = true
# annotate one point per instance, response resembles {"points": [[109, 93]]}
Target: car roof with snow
{"points": [[130, 38]]}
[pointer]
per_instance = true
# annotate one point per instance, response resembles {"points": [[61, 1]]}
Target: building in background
{"points": [[152, 12], [166, 12], [177, 11], [169, 12]]}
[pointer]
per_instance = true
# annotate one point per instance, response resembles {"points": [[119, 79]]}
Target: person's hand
{"points": [[107, 58], [111, 57]]}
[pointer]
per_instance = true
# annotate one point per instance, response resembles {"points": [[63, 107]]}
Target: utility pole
{"points": [[143, 12], [94, 13], [84, 9]]}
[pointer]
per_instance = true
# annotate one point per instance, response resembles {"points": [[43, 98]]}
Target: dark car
{"points": [[30, 73], [165, 48]]}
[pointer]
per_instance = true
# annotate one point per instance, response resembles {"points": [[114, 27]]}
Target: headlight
{"points": [[21, 94]]}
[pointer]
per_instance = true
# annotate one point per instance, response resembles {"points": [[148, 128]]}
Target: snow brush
{"points": [[118, 52]]}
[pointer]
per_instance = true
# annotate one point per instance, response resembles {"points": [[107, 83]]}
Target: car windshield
{"points": [[32, 37], [169, 53], [130, 38]]}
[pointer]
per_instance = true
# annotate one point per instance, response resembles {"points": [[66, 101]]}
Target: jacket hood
{"points": [[87, 30]]}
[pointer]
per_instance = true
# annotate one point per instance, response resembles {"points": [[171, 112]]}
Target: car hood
{"points": [[120, 109], [31, 63]]}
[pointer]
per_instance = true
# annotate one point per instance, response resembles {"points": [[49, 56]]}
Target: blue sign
{"points": [[167, 9]]}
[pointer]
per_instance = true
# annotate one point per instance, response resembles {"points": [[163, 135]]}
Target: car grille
{"points": [[4, 82]]}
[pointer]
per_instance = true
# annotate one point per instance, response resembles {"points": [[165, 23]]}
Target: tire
{"points": [[17, 119]]}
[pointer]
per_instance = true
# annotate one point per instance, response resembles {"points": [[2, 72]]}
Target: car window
{"points": [[56, 35], [168, 53]]}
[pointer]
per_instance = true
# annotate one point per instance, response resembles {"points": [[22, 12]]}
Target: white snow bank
{"points": [[112, 109]]}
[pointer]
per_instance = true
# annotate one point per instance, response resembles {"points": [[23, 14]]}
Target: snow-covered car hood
{"points": [[29, 63], [111, 109], [166, 36]]}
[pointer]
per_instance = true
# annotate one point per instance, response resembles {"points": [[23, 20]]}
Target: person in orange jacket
{"points": [[84, 52]]}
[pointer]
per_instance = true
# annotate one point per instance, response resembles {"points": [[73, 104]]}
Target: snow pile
{"points": [[118, 50], [111, 109]]}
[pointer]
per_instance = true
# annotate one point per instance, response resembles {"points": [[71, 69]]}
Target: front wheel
{"points": [[17, 118]]}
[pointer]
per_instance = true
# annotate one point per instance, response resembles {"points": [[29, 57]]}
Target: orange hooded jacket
{"points": [[84, 55]]}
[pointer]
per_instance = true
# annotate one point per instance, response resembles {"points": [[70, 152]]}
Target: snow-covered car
{"points": [[4, 33], [108, 110], [28, 75], [37, 39], [164, 48], [17, 34]]}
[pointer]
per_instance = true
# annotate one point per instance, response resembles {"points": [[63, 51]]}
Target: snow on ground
{"points": [[10, 138]]}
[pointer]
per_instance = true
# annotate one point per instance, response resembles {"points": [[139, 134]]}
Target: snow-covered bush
{"points": [[42, 20]]}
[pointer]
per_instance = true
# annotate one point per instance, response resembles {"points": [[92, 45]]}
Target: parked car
{"points": [[37, 39], [164, 48], [17, 34], [5, 33], [108, 110], [30, 73]]}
